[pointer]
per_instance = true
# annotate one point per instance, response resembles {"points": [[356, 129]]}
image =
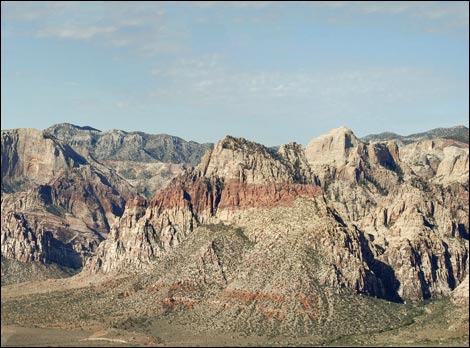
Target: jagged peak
{"points": [[66, 125], [235, 158], [239, 143], [291, 147]]}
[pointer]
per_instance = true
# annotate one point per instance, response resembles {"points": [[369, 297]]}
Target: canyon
{"points": [[236, 237]]}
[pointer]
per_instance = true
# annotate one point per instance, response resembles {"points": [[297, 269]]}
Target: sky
{"points": [[271, 72]]}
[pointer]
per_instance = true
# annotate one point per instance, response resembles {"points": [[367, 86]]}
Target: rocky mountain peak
{"points": [[69, 127], [237, 159], [337, 147], [31, 155]]}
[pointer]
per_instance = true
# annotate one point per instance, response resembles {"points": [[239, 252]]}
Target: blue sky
{"points": [[272, 72]]}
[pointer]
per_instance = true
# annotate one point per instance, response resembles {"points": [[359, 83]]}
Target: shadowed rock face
{"points": [[146, 161], [377, 227], [29, 155], [57, 206], [381, 219], [119, 145]]}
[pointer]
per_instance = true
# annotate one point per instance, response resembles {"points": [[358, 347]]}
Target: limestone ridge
{"points": [[57, 206], [403, 235], [458, 133], [146, 161], [129, 146]]}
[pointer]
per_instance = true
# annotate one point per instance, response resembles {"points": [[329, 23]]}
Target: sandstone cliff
{"points": [[56, 205], [382, 219], [377, 226]]}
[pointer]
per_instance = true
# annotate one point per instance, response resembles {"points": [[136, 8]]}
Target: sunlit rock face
{"points": [[377, 226], [57, 206]]}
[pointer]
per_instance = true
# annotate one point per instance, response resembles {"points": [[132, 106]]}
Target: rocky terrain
{"points": [[146, 161], [459, 133], [119, 145], [362, 205], [56, 205], [254, 241]]}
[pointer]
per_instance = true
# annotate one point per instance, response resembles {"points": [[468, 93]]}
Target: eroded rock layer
{"points": [[56, 205], [371, 222]]}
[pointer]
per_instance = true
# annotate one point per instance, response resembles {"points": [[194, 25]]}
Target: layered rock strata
{"points": [[379, 227], [56, 205]]}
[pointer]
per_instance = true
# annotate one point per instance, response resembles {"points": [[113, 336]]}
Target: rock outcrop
{"points": [[460, 294], [146, 161], [56, 205], [377, 226], [381, 219], [119, 145], [440, 160]]}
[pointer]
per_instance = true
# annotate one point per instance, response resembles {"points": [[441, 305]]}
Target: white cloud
{"points": [[211, 80], [113, 23], [451, 13], [76, 32], [145, 27]]}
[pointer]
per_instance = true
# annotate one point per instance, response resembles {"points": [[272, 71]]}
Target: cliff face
{"points": [[119, 145], [146, 161], [234, 176], [377, 226], [29, 155], [56, 205], [381, 219], [415, 215]]}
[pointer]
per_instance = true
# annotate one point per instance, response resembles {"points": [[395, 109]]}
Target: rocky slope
{"points": [[417, 222], [146, 161], [458, 133], [119, 145], [56, 205], [378, 227], [289, 241]]}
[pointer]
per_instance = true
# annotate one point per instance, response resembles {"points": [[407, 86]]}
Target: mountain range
{"points": [[459, 133], [235, 236]]}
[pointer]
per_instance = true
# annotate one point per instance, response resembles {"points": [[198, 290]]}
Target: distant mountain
{"points": [[56, 205], [459, 133], [368, 203], [146, 161], [129, 146], [289, 243]]}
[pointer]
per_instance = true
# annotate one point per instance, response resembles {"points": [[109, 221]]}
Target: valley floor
{"points": [[438, 323]]}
